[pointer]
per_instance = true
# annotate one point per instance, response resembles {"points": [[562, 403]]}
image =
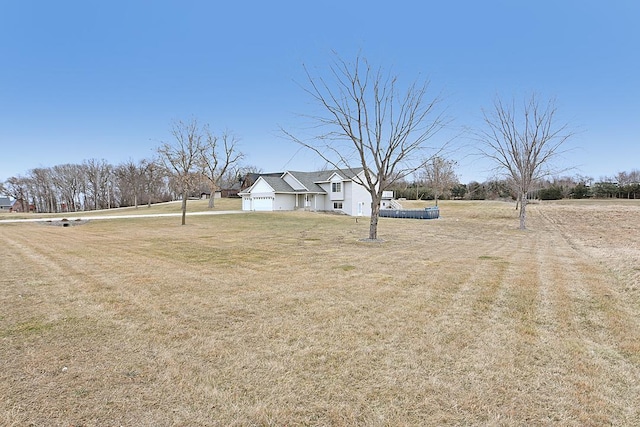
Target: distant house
{"points": [[330, 190], [207, 195], [5, 204], [226, 192], [232, 190], [20, 206]]}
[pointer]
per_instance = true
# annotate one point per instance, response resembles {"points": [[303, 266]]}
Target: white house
{"points": [[331, 190]]}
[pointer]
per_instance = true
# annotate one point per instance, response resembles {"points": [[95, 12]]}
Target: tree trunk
{"points": [[523, 211], [184, 207], [375, 214], [212, 190]]}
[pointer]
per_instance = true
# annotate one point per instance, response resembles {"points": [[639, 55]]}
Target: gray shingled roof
{"points": [[308, 179], [5, 201], [278, 184]]}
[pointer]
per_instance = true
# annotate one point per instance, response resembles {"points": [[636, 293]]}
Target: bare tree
{"points": [[219, 155], [181, 157], [369, 121], [45, 193], [439, 175], [98, 174], [69, 180], [19, 187], [523, 142], [152, 178], [246, 175], [130, 182]]}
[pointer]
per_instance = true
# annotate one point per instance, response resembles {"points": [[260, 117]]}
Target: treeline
{"points": [[488, 190], [624, 185], [97, 184]]}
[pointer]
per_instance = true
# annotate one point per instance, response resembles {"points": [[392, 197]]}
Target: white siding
{"points": [[358, 194], [294, 183], [261, 186], [323, 202], [284, 202]]}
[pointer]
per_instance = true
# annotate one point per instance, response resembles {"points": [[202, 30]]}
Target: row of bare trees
{"points": [[195, 153], [91, 185], [195, 162]]}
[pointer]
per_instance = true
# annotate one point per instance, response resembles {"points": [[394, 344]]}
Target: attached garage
{"points": [[259, 197], [262, 203]]}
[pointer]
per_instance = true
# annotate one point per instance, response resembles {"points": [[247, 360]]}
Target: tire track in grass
{"points": [[497, 362], [39, 270], [412, 332], [163, 331], [463, 338], [72, 274], [119, 281], [561, 360], [599, 338], [18, 285], [64, 343], [174, 332], [475, 293], [510, 366], [144, 360]]}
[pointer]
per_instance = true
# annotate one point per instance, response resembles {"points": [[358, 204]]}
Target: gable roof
{"points": [[309, 180], [5, 201], [278, 184], [250, 178], [325, 175]]}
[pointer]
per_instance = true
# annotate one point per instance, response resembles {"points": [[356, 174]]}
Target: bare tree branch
{"points": [[523, 142], [181, 157], [370, 122], [219, 155]]}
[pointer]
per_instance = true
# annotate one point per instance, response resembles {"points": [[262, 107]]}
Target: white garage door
{"points": [[263, 203]]}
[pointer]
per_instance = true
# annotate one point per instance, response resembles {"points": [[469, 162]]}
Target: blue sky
{"points": [[104, 79]]}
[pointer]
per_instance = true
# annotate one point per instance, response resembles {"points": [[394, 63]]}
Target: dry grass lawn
{"points": [[289, 319]]}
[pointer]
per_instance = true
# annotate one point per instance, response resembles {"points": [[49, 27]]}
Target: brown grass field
{"points": [[274, 319]]}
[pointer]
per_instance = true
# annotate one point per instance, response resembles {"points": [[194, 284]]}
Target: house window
{"points": [[336, 187], [337, 205]]}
